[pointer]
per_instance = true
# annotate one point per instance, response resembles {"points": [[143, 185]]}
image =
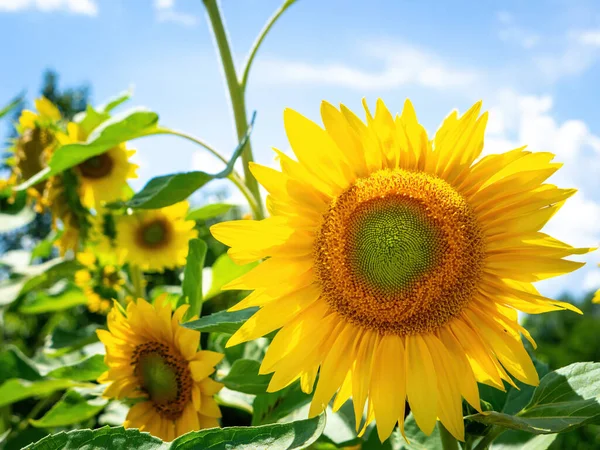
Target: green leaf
{"points": [[44, 248], [62, 341], [209, 211], [223, 271], [100, 439], [244, 377], [281, 436], [192, 276], [169, 189], [222, 322], [75, 406], [42, 302], [15, 389], [123, 127], [565, 399], [521, 440], [11, 105], [85, 370], [274, 406], [90, 119], [116, 101], [14, 364]]}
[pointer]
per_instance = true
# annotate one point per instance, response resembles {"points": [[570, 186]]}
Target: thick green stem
{"points": [[448, 441], [137, 279], [236, 95], [484, 444]]}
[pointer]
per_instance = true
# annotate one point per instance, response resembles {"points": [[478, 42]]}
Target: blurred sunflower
{"points": [[151, 357], [101, 283], [156, 239], [396, 265], [34, 146], [102, 178]]}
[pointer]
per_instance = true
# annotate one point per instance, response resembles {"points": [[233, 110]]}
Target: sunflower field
{"points": [[374, 290]]}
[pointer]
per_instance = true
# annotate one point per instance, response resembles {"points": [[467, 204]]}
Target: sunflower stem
{"points": [[137, 279], [448, 441], [489, 438], [236, 95]]}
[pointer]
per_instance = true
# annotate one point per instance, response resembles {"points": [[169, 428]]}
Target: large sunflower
{"points": [[396, 265], [156, 239], [102, 178], [152, 358]]}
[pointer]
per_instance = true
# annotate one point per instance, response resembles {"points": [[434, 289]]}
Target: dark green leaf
{"points": [[61, 341], [565, 399], [14, 364], [123, 127], [85, 370], [209, 211], [14, 390], [225, 270], [222, 322], [271, 407], [192, 276], [100, 439], [244, 377], [281, 436], [75, 406], [42, 302], [169, 189]]}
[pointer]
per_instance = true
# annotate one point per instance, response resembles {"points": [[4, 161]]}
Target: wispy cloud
{"points": [[401, 64], [82, 7], [588, 37], [511, 32], [166, 12]]}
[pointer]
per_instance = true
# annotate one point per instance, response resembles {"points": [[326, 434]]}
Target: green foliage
{"points": [[76, 406], [285, 436], [225, 270], [221, 322], [88, 369], [244, 377], [209, 211], [192, 277]]}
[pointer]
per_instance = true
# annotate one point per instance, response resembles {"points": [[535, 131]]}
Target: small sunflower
{"points": [[102, 178], [396, 264], [156, 239], [155, 360], [101, 283]]}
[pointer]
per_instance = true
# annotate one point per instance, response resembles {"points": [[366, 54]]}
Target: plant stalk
{"points": [[137, 279], [484, 444], [448, 441], [236, 95]]}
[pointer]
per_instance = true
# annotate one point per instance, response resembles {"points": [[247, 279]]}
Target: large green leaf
{"points": [[14, 364], [281, 436], [169, 189], [192, 276], [76, 406], [15, 389], [223, 271], [85, 370], [272, 407], [222, 322], [209, 211], [521, 440], [42, 302], [123, 127], [244, 377], [565, 399]]}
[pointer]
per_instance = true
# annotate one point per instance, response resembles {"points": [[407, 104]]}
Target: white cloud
{"points": [[402, 65], [166, 12], [589, 37], [83, 7], [513, 33]]}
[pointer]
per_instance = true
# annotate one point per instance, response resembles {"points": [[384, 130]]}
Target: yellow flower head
{"points": [[396, 264], [47, 114], [153, 358], [102, 178], [156, 239]]}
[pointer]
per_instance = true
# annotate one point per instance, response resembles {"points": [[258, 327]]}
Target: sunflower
{"points": [[103, 177], [396, 264], [153, 359], [156, 239], [101, 283]]}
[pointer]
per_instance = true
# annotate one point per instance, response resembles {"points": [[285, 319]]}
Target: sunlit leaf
{"points": [[85, 370], [43, 302], [192, 276], [223, 271], [74, 407], [222, 322], [209, 211], [14, 390]]}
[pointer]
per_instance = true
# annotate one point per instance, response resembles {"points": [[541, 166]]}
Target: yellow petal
{"points": [[421, 383]]}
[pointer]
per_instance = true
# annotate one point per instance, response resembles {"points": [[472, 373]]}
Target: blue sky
{"points": [[535, 64]]}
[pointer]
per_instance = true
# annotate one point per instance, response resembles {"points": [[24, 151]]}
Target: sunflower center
{"points": [[98, 166], [154, 234], [165, 376], [399, 252]]}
